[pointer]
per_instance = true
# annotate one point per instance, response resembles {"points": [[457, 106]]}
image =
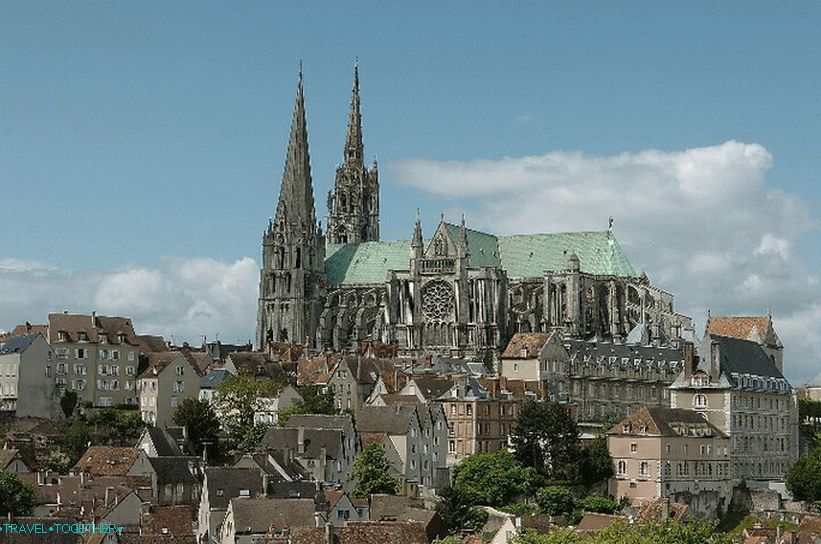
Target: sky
{"points": [[142, 144]]}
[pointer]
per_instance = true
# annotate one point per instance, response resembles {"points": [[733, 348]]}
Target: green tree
{"points": [[77, 439], [237, 399], [17, 497], [494, 479], [457, 513], [690, 532], [68, 403], [370, 472], [597, 503], [556, 500], [804, 478], [546, 438], [201, 423], [315, 400], [596, 463]]}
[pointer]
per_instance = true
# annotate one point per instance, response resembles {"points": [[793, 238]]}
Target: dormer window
{"points": [[62, 336], [104, 339], [121, 337], [82, 336], [627, 428]]}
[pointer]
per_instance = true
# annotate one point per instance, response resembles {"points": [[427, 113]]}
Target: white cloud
{"points": [[702, 222], [183, 299]]}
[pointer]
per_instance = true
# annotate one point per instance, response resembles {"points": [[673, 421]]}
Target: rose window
{"points": [[437, 300]]}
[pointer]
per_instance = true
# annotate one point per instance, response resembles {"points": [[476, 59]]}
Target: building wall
{"points": [[84, 366], [478, 426], [27, 382]]}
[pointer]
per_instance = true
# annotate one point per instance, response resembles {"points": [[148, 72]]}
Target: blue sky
{"points": [[137, 135]]}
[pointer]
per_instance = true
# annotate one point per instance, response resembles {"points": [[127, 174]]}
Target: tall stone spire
{"points": [[296, 196], [353, 142], [353, 205]]}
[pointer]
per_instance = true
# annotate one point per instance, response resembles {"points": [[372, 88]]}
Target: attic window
{"points": [[220, 492], [62, 336], [82, 336], [244, 493]]}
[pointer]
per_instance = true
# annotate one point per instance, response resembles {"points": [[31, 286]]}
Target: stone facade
{"points": [[461, 292]]}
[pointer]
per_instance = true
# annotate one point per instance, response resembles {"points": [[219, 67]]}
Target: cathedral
{"points": [[458, 292]]}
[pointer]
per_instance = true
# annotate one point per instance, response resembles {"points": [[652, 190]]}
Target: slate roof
{"points": [[522, 256], [526, 345], [150, 342], [6, 457], [107, 461], [320, 421], [259, 365], [431, 386], [18, 344], [214, 378], [157, 362], [163, 442], [391, 399], [172, 470], [315, 439], [577, 348], [230, 481], [386, 419], [258, 515], [738, 356]]}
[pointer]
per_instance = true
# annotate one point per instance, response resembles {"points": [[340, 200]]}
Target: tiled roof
{"points": [[224, 483], [107, 461], [320, 421], [651, 512], [392, 399], [664, 421], [149, 342], [6, 457], [369, 532], [593, 522], [258, 515], [175, 520], [315, 440], [314, 370], [157, 362], [95, 327], [743, 327], [432, 387], [526, 345], [27, 328]]}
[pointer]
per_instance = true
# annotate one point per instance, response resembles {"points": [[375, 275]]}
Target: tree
{"points": [[17, 497], [68, 403], [547, 438], [113, 425], [77, 439], [238, 398], [315, 400], [689, 532], [201, 423], [370, 472], [596, 463], [494, 479], [804, 478], [556, 500], [457, 513], [599, 504]]}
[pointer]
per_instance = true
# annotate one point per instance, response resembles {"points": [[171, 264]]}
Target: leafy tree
{"points": [[804, 478], [77, 439], [457, 513], [597, 503], [201, 423], [68, 403], [111, 425], [547, 438], [370, 472], [494, 479], [555, 500], [17, 497], [315, 400], [596, 464], [238, 398], [251, 436], [690, 532]]}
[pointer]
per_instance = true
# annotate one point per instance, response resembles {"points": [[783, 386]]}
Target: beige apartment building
{"points": [[168, 379], [664, 452], [96, 356], [737, 387], [27, 377]]}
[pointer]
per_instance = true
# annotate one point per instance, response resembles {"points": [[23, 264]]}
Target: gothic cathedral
{"points": [[462, 292]]}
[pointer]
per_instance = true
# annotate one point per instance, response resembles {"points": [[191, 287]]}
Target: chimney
{"points": [[329, 533], [108, 491], [689, 360], [93, 319], [300, 440], [715, 361], [779, 532], [665, 510]]}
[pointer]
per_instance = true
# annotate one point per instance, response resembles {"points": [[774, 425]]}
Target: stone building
{"points": [[168, 379], [735, 384], [663, 452], [27, 389], [758, 329], [460, 292]]}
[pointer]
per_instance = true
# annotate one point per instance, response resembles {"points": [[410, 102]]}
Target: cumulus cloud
{"points": [[181, 299], [701, 222]]}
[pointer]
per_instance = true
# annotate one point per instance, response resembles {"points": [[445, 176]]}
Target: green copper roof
{"points": [[522, 255], [368, 262], [483, 248], [529, 255]]}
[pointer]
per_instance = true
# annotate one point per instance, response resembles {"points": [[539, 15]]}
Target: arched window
{"points": [[700, 401], [622, 467]]}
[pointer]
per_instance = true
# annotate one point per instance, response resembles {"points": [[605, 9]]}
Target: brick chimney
{"points": [[300, 440], [689, 360]]}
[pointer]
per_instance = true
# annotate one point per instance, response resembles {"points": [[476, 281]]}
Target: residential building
{"points": [[99, 355], [211, 381], [417, 433], [12, 461], [247, 518], [342, 423], [175, 481], [321, 452], [352, 380], [29, 371], [341, 509], [219, 486], [168, 379], [268, 408], [758, 329], [736, 386], [533, 356], [669, 452]]}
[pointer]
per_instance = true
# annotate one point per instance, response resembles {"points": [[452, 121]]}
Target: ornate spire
{"points": [[417, 231], [463, 236], [296, 196], [353, 142]]}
